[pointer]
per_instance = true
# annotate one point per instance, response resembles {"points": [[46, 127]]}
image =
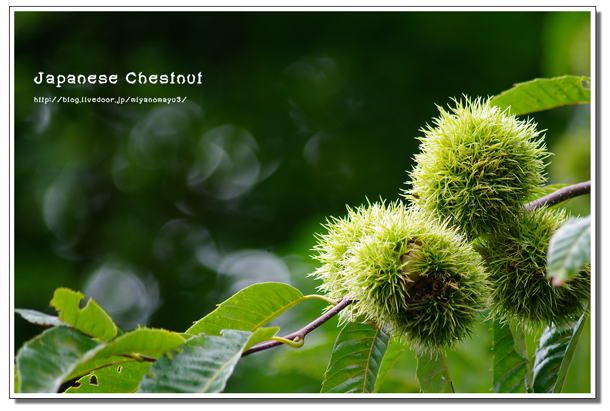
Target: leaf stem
{"points": [[447, 370], [321, 297], [560, 195], [344, 302]]}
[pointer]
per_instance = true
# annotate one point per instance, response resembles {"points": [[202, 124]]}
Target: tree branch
{"points": [[560, 195], [344, 302]]}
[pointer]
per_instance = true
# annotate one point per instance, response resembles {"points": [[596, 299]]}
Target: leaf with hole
{"points": [[356, 359], [121, 378], [554, 356], [569, 249], [92, 320], [544, 94]]}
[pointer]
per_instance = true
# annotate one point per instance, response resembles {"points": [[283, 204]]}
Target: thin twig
{"points": [[560, 195], [305, 330]]}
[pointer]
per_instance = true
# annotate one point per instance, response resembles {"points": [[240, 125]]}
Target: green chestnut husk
{"points": [[517, 267], [477, 166], [408, 273]]}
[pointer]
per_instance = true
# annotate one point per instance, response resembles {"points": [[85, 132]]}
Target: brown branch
{"points": [[344, 302], [560, 195]]}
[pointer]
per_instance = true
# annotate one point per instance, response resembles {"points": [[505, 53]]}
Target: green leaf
{"points": [[249, 309], [96, 364], [45, 362], [569, 249], [356, 358], [123, 378], [92, 320], [510, 360], [142, 341], [204, 364], [433, 374], [554, 356], [544, 94], [36, 317], [394, 352]]}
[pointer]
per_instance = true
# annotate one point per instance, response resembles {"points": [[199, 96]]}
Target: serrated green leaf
{"points": [[554, 356], [569, 249], [510, 360], [356, 359], [433, 374], [395, 350], [204, 364], [142, 341], [36, 317], [45, 362], [121, 378], [249, 309], [544, 94], [92, 320]]}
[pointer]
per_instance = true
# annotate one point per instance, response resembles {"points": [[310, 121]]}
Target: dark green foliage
{"points": [[517, 268]]}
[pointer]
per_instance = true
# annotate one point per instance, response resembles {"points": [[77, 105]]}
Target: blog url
{"points": [[112, 100]]}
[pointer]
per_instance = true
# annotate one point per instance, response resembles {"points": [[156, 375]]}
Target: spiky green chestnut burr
{"points": [[517, 263], [477, 166], [406, 272]]}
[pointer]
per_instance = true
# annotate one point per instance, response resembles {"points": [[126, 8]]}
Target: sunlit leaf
{"points": [[36, 317], [356, 359], [433, 374], [142, 341], [554, 356], [46, 361], [92, 320], [510, 360], [394, 352], [569, 249], [122, 378], [545, 94], [249, 309], [204, 363]]}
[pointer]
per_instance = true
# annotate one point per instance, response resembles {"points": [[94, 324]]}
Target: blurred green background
{"points": [[160, 211]]}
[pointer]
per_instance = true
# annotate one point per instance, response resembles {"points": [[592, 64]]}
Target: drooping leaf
{"points": [[142, 341], [122, 378], [249, 309], [433, 374], [544, 94], [204, 364], [45, 362], [394, 352], [356, 359], [36, 317], [569, 249], [554, 356], [92, 320], [510, 360]]}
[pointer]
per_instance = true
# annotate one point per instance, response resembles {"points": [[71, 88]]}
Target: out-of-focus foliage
{"points": [[160, 212]]}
